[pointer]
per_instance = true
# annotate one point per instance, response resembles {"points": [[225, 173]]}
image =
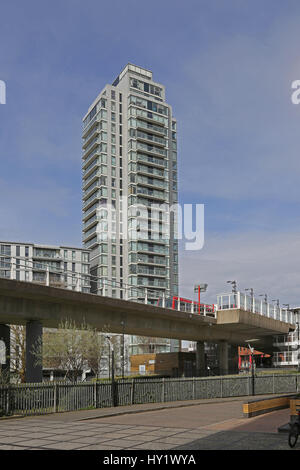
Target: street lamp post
{"points": [[113, 382], [234, 288], [252, 368], [123, 349], [234, 291], [200, 288], [252, 298], [252, 363], [277, 304], [266, 304]]}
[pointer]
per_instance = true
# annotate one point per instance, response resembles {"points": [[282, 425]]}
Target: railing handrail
{"points": [[247, 302]]}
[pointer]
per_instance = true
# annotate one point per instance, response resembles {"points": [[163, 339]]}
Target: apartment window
{"points": [[113, 94], [17, 251], [103, 259], [73, 267], [103, 248], [66, 254], [85, 257], [85, 268], [26, 251], [120, 97], [73, 254]]}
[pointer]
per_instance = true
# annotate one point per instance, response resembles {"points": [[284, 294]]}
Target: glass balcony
{"points": [[152, 182], [153, 193], [151, 149], [148, 116], [150, 138], [150, 170], [151, 127], [144, 281], [91, 209], [97, 195], [94, 153], [150, 159]]}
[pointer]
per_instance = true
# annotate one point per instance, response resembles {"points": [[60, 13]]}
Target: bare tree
{"points": [[17, 352], [72, 348]]}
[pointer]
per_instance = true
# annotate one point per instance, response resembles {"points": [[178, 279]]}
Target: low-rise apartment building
{"points": [[57, 266]]}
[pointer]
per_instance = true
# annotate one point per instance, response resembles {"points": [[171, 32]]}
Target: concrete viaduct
{"points": [[38, 306]]}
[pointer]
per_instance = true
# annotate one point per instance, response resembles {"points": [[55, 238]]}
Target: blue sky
{"points": [[228, 68]]}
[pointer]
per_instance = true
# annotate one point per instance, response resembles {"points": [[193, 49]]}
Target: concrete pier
{"points": [[34, 335], [5, 337]]}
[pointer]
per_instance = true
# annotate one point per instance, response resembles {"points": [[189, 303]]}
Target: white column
{"points": [[78, 283], [13, 268], [47, 276]]}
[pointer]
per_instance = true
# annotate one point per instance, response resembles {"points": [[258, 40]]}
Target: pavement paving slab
{"points": [[201, 425]]}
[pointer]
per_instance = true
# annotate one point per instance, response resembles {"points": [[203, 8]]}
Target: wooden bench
{"points": [[266, 405]]}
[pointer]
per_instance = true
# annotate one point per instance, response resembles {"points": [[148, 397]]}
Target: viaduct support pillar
{"points": [[5, 349], [223, 357], [200, 359], [34, 368]]}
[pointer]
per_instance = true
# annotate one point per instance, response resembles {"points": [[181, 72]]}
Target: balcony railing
{"points": [[242, 301]]}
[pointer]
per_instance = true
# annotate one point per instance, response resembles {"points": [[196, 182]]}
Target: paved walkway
{"points": [[197, 425]]}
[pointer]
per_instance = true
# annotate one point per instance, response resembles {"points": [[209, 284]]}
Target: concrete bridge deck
{"points": [[22, 302], [38, 306]]}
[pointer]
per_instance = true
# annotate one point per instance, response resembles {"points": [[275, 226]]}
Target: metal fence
{"points": [[33, 399]]}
